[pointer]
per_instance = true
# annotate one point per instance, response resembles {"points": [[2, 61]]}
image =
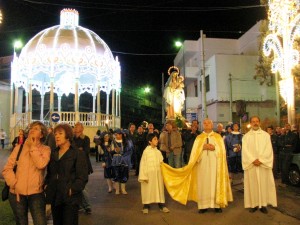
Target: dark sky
{"points": [[141, 32]]}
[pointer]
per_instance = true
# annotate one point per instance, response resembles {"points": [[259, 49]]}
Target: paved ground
{"points": [[111, 209]]}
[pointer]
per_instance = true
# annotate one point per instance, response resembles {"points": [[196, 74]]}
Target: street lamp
{"points": [[147, 90], [178, 44], [17, 45]]}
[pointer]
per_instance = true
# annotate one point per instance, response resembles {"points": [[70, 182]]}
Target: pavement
{"points": [[111, 209]]}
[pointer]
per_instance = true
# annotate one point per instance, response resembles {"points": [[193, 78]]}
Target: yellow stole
{"points": [[181, 183]]}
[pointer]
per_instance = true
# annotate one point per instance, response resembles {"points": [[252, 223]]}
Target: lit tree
{"points": [[281, 44]]}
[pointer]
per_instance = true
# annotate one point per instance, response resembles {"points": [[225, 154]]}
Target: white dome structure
{"points": [[64, 59]]}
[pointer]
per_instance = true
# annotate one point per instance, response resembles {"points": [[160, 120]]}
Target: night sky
{"points": [[140, 32]]}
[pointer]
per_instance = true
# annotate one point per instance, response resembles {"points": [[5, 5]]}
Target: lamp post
{"points": [[284, 21], [147, 90], [17, 45]]}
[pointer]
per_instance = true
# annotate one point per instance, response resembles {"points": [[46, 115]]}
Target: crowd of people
{"points": [[202, 162]]}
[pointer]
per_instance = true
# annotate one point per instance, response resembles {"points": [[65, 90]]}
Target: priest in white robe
{"points": [[257, 161], [205, 179]]}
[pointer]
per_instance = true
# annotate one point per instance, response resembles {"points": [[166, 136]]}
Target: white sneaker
{"points": [[145, 211], [165, 210]]}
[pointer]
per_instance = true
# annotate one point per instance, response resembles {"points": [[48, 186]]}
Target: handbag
{"points": [[5, 190]]}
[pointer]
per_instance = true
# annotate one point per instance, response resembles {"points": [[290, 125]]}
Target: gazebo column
{"points": [[26, 101], [16, 99], [59, 103], [113, 107], [30, 102], [42, 107], [117, 103], [76, 102], [51, 109], [119, 98], [11, 99], [107, 107], [94, 102], [98, 106]]}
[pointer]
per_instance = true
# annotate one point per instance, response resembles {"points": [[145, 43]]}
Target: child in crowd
{"points": [[150, 176]]}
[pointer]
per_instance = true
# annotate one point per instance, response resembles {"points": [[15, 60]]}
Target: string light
{"points": [[1, 16], [284, 22]]}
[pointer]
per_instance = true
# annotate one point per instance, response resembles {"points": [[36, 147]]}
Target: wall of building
{"points": [[5, 107]]}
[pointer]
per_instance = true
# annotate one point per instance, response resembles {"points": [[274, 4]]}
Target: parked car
{"points": [[294, 170]]}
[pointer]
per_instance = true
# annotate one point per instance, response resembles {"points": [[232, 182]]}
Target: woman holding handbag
{"points": [[26, 183]]}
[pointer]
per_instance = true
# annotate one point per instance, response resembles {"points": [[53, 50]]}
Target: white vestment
{"points": [[207, 177], [150, 176], [259, 185]]}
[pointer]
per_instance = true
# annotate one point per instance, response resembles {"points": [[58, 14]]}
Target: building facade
{"points": [[232, 93]]}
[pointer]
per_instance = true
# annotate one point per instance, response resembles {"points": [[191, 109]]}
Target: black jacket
{"points": [[68, 172], [83, 143]]}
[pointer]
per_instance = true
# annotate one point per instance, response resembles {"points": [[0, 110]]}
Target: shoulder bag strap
{"points": [[20, 150], [18, 156]]}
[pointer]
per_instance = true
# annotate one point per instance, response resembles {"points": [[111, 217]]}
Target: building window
{"points": [[207, 85], [196, 89]]}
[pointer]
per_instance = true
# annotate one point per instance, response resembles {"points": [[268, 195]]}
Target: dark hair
{"points": [[67, 128], [130, 124], [150, 137], [228, 126], [196, 121], [98, 132], [44, 130], [234, 124], [102, 139], [270, 127]]}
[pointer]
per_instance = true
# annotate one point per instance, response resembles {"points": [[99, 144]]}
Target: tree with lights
{"points": [[280, 51]]}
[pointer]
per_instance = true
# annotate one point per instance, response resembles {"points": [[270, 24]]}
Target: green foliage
{"points": [[6, 213], [178, 121]]}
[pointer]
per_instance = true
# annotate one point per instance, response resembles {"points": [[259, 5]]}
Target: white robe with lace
{"points": [[259, 185], [150, 176]]}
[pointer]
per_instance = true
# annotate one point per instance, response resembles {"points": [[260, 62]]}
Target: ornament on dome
{"points": [[69, 18]]}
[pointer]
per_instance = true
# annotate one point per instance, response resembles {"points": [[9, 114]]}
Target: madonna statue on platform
{"points": [[174, 94]]}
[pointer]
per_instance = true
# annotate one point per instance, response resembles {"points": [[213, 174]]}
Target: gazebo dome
{"points": [[65, 54]]}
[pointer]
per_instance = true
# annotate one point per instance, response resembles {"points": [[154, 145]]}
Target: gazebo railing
{"points": [[87, 119]]}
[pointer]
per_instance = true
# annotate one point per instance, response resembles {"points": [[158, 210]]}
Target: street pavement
{"points": [[111, 209]]}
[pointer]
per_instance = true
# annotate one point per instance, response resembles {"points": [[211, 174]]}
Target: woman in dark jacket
{"points": [[107, 148], [20, 139], [67, 175]]}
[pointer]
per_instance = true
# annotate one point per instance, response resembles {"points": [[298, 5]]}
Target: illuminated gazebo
{"points": [[64, 59]]}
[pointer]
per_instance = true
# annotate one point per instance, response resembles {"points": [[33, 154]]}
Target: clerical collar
{"points": [[235, 132], [208, 133], [256, 131]]}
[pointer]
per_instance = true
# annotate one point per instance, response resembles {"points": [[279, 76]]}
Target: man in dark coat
{"points": [[82, 142]]}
